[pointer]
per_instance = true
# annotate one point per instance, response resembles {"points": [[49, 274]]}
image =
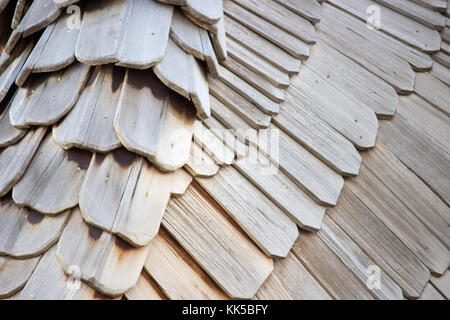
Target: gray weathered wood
{"points": [[15, 159], [442, 284], [182, 73], [434, 91], [27, 233], [441, 72], [14, 274], [40, 14], [44, 99], [8, 133], [18, 13], [208, 12], [90, 124], [64, 3], [200, 164], [217, 244], [105, 261], [153, 121], [145, 289], [308, 9], [44, 187]]}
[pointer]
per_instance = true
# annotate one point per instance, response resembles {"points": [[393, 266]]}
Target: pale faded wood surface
{"points": [[8, 133], [44, 186], [228, 97], [124, 36], [49, 282], [153, 121], [27, 233], [380, 244], [106, 262], [267, 30], [64, 3], [258, 65], [352, 79], [200, 164], [40, 14], [15, 159], [441, 72], [178, 275], [90, 124], [298, 121], [442, 284], [262, 47], [394, 24], [202, 229], [357, 260], [324, 265], [290, 280], [282, 191], [355, 121], [263, 221], [14, 274], [182, 73], [18, 13], [437, 5], [382, 62], [134, 195], [309, 9], [145, 289], [430, 293], [208, 12], [281, 17], [241, 87], [434, 91], [46, 98]]}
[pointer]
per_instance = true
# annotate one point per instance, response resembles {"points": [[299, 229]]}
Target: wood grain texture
{"points": [[145, 289], [200, 164], [40, 14], [28, 233], [217, 244], [434, 91], [8, 133], [441, 72], [208, 12], [15, 159], [308, 9], [90, 124], [44, 186], [134, 195], [350, 42], [18, 13], [124, 36], [263, 221], [105, 261], [153, 121], [431, 293], [46, 98], [14, 274], [178, 275], [442, 284]]}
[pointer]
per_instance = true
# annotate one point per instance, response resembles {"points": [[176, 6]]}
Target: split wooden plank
{"points": [[244, 108], [46, 98], [354, 120], [15, 159], [409, 189], [263, 221], [430, 293], [290, 280], [442, 284], [441, 72], [27, 233], [127, 183], [49, 282], [200, 164], [258, 65], [44, 186], [178, 275], [297, 120], [217, 244], [182, 73], [278, 36], [14, 274], [128, 40], [380, 244], [352, 79], [284, 192], [254, 79], [308, 9], [281, 17], [419, 154], [433, 90], [263, 47], [145, 289], [153, 121], [324, 265], [64, 3], [40, 14], [8, 133], [105, 261], [417, 12], [90, 124], [208, 12], [357, 260], [194, 40], [233, 81], [382, 62], [395, 24]]}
